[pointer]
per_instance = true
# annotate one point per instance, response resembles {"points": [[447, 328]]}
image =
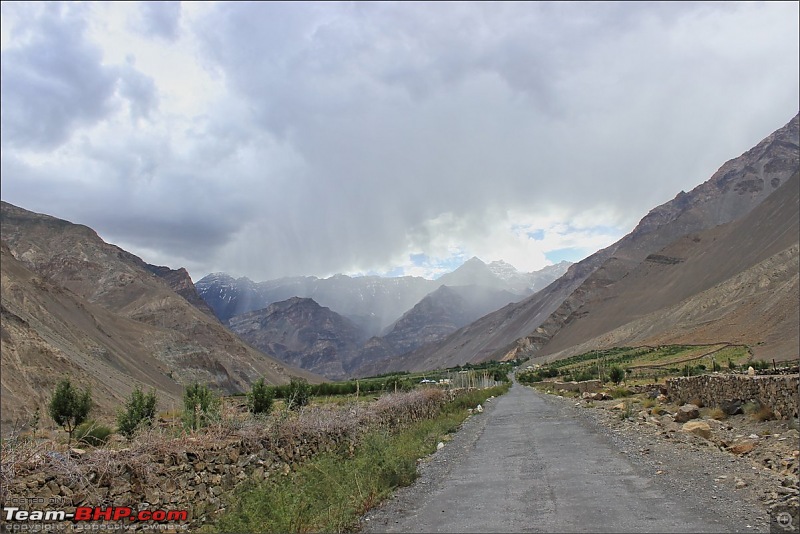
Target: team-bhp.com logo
{"points": [[95, 513]]}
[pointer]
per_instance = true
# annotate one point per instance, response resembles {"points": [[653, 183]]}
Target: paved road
{"points": [[529, 467]]}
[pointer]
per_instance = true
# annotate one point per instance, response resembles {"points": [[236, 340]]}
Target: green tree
{"points": [[260, 397], [298, 393], [616, 374], [201, 406], [140, 410], [69, 406]]}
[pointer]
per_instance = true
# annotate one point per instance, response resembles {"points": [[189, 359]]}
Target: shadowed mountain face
{"points": [[525, 327], [72, 302], [302, 333]]}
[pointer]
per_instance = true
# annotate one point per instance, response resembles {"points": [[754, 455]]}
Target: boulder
{"points": [[731, 407], [662, 398], [620, 406], [687, 412], [479, 408], [742, 448], [698, 428]]}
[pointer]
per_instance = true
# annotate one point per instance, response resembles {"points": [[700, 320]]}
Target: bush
{"points": [[201, 406], [260, 398], [69, 407], [298, 393], [92, 433], [616, 374], [140, 410]]}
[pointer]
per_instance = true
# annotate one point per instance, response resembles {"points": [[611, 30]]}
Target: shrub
{"points": [[92, 433], [140, 410], [260, 398], [201, 406], [649, 403], [616, 374], [298, 393], [732, 366], [69, 407]]}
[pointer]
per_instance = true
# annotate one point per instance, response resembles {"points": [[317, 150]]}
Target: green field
{"points": [[644, 364]]}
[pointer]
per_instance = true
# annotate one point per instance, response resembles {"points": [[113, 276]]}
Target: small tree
{"points": [[616, 374], [201, 406], [298, 393], [140, 410], [69, 407], [260, 397]]}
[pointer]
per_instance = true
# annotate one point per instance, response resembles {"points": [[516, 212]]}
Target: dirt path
{"points": [[530, 464]]}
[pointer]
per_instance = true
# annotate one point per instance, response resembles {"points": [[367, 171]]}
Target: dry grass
{"points": [[763, 414], [718, 414]]}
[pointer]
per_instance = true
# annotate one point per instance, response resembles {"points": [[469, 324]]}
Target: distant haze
{"points": [[279, 139]]}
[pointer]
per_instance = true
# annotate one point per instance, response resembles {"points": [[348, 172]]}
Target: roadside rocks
{"points": [[687, 412], [698, 428]]}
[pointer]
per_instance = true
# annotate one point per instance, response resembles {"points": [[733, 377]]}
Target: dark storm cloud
{"points": [[53, 82], [404, 112], [313, 138]]}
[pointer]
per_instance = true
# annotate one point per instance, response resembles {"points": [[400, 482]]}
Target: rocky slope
{"points": [[67, 294], [302, 333], [737, 282], [731, 193]]}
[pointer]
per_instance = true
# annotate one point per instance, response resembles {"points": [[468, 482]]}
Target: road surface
{"points": [[527, 465]]}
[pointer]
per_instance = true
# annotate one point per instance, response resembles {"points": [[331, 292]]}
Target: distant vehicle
{"points": [[426, 381]]}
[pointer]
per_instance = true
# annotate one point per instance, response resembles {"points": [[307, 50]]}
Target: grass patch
{"points": [[649, 403], [332, 491], [718, 414], [618, 393]]}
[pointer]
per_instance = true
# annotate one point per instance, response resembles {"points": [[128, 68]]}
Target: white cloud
{"points": [[271, 139]]}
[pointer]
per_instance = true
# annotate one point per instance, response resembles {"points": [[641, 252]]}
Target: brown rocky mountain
{"points": [[731, 193], [737, 282], [302, 333], [73, 302]]}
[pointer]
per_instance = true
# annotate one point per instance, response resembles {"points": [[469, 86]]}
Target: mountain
{"points": [[72, 302], [372, 302], [731, 193], [737, 282], [302, 333]]}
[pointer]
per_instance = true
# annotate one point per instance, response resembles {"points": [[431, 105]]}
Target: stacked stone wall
{"points": [[193, 472], [778, 392]]}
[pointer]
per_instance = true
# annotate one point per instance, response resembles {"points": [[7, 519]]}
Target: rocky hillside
{"points": [[731, 193], [737, 282], [71, 301], [302, 333]]}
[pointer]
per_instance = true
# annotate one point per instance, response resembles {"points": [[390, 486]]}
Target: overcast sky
{"points": [[276, 139]]}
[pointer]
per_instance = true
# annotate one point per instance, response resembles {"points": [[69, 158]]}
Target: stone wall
{"points": [[587, 385], [193, 472], [778, 392]]}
